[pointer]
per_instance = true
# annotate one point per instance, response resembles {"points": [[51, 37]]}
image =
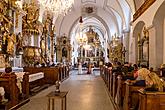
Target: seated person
{"points": [[8, 71], [150, 79], [53, 64], [43, 65], [125, 68], [142, 77], [117, 68], [37, 64], [109, 66], [157, 83], [135, 71]]}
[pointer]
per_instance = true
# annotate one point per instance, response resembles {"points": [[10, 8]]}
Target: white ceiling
{"points": [[113, 16]]}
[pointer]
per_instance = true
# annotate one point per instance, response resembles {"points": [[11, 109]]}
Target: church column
{"points": [[126, 45], [152, 47]]}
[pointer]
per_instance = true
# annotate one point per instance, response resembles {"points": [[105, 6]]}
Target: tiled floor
{"points": [[86, 92]]}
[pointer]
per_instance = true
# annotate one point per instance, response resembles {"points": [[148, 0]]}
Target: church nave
{"points": [[85, 92]]}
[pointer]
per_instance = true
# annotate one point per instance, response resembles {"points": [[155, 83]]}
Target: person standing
{"points": [[79, 68]]}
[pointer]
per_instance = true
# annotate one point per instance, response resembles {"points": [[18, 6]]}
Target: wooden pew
{"points": [[103, 72], [114, 86], [110, 81], [51, 74], [118, 97], [31, 80], [131, 91], [151, 100], [11, 90], [63, 72]]}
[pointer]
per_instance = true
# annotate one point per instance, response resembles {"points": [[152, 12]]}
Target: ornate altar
{"points": [[115, 50], [91, 50], [7, 37], [31, 25], [143, 47], [63, 49], [47, 42]]}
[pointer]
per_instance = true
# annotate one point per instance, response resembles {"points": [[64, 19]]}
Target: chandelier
{"points": [[80, 36], [58, 7]]}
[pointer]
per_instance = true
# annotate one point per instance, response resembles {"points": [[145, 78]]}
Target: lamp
{"points": [[80, 36]]}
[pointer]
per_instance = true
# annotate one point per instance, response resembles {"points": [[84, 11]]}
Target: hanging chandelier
{"points": [[58, 7], [81, 37]]}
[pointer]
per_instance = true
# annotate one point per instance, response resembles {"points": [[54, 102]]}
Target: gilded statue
{"points": [[11, 40], [31, 18]]}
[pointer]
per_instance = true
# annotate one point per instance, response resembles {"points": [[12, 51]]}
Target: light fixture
{"points": [[58, 7], [80, 36]]}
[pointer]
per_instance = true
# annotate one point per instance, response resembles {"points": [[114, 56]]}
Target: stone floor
{"points": [[85, 92]]}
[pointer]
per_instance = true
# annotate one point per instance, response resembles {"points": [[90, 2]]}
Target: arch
{"points": [[137, 30], [159, 25], [98, 18]]}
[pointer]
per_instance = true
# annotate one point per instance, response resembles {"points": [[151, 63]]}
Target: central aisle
{"points": [[86, 92]]}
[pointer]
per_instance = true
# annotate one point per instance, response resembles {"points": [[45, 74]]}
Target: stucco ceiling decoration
{"points": [[88, 10]]}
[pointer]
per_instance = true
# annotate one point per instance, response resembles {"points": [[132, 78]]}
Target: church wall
{"points": [[159, 44], [149, 14], [156, 47]]}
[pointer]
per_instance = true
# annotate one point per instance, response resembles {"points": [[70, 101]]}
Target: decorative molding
{"points": [[143, 8], [84, 1]]}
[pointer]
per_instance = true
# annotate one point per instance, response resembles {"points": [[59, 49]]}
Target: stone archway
{"points": [[138, 30], [159, 25]]}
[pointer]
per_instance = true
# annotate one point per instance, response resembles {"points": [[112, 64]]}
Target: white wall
{"points": [[149, 14], [156, 34]]}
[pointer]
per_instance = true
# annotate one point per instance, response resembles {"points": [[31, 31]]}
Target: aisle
{"points": [[86, 92]]}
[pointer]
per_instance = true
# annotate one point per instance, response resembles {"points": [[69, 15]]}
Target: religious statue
{"points": [[11, 40], [19, 45], [64, 52]]}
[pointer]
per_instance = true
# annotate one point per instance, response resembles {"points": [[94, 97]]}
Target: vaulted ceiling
{"points": [[112, 16]]}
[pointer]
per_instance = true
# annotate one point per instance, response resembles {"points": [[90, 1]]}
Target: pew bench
{"points": [[131, 95], [151, 100], [32, 81], [11, 89], [51, 74]]}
